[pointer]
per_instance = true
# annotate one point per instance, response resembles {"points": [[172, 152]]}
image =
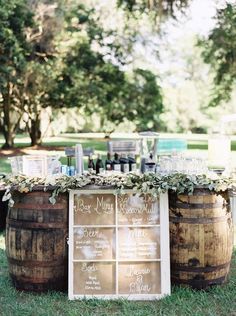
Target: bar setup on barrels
{"points": [[120, 233]]}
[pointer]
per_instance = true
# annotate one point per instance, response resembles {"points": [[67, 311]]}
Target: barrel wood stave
{"points": [[3, 210], [201, 238], [36, 241]]}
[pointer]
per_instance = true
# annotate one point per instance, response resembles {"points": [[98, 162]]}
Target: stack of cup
{"points": [[79, 163]]}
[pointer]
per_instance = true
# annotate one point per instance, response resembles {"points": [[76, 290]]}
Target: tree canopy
{"points": [[15, 18], [220, 53], [100, 86], [158, 7], [59, 54], [62, 54]]}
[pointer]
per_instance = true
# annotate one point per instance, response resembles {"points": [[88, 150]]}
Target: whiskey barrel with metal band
{"points": [[201, 238], [36, 241]]}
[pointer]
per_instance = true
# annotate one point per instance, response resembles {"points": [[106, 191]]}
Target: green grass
{"points": [[99, 145], [4, 165], [202, 145], [183, 302]]}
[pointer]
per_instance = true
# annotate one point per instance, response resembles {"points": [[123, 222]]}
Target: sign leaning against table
{"points": [[118, 245]]}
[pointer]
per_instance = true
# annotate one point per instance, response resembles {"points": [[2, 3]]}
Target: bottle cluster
{"points": [[119, 163]]}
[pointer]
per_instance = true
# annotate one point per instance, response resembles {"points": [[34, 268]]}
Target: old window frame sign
{"points": [[118, 245]]}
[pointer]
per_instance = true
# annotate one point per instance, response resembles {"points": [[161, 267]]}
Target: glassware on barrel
{"points": [[219, 149], [181, 164], [149, 141]]}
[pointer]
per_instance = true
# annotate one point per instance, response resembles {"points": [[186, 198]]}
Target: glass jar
{"points": [[219, 150]]}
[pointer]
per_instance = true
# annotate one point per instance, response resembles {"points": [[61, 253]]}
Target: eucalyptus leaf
{"points": [[139, 183], [52, 200]]}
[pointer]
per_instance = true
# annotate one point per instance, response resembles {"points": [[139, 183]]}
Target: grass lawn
{"points": [[217, 301]]}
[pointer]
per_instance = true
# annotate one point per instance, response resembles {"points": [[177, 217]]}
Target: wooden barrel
{"points": [[201, 238], [36, 241], [3, 210]]}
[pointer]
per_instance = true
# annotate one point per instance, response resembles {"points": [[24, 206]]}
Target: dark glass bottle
{"points": [[116, 163], [99, 165], [124, 164], [91, 165], [143, 163], [132, 163], [108, 162], [150, 164]]}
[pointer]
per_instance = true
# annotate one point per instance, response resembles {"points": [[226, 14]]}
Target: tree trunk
{"points": [[35, 132], [9, 141], [8, 127]]}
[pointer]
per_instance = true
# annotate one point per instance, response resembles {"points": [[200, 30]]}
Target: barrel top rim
{"points": [[201, 187]]}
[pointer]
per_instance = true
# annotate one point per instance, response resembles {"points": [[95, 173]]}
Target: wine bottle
{"points": [[99, 165], [116, 163], [132, 163], [124, 164], [91, 165], [108, 162]]}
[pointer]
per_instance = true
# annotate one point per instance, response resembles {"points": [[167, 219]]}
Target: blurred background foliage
{"points": [[71, 66]]}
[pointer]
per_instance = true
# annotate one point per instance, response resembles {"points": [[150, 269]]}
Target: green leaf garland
{"points": [[142, 183]]}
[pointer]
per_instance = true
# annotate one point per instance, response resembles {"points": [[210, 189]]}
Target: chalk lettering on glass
{"points": [[83, 208], [102, 207], [93, 284], [88, 233], [136, 205], [137, 233], [88, 267], [131, 271], [138, 286]]}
